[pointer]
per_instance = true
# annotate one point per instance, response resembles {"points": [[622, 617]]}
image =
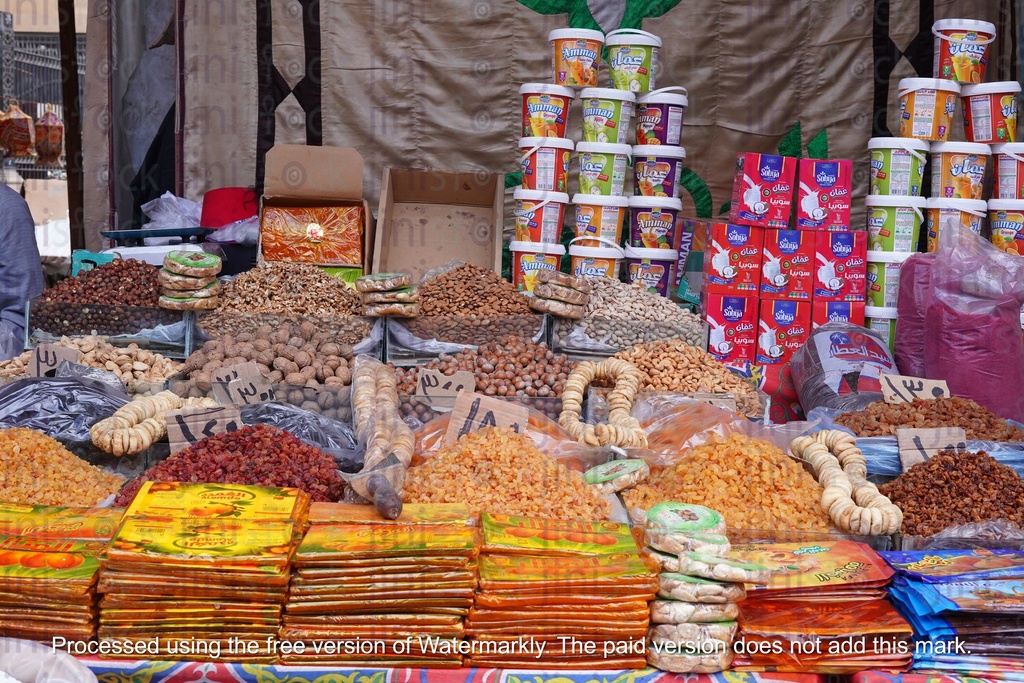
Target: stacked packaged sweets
{"points": [[693, 619], [389, 294]]}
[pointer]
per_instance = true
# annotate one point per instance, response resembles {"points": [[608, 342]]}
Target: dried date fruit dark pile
{"points": [[883, 419], [257, 455], [952, 489]]}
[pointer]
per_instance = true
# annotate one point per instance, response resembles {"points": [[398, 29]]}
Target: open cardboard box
{"points": [[301, 175], [428, 217]]}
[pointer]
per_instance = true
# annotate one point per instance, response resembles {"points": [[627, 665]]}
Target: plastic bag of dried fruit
{"points": [[547, 434], [972, 326]]}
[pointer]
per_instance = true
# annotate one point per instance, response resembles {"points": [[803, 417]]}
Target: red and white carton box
{"points": [[732, 259], [732, 323], [782, 328], [840, 266], [787, 271], [825, 312], [762, 191], [823, 190]]}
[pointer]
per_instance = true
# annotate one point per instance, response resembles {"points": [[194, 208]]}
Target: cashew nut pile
{"points": [[622, 429], [852, 502], [138, 425]]}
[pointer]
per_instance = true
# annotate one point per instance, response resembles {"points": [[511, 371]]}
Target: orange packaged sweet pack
{"points": [[323, 236], [834, 565]]}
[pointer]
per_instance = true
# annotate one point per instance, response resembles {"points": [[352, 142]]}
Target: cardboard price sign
{"points": [[190, 425], [904, 389], [441, 390], [918, 445], [224, 376], [249, 390], [473, 412], [47, 357]]}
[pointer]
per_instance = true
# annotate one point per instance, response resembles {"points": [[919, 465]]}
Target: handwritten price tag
{"points": [[189, 425], [249, 390], [440, 390], [904, 389], [918, 445], [47, 357], [224, 376], [473, 412]]}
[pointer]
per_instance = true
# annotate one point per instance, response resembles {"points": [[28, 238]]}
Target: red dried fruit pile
{"points": [[258, 455]]}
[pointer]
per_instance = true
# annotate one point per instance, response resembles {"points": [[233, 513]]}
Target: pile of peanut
{"points": [[673, 365], [141, 370]]}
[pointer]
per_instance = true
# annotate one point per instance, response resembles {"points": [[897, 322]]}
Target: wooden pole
{"points": [[72, 120]]}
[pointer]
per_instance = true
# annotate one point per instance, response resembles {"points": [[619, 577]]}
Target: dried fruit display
{"points": [[978, 422]]}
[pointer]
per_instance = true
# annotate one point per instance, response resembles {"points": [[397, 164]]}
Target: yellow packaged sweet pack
{"points": [[513, 534], [218, 501]]}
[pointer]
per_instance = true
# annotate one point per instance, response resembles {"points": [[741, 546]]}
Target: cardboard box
{"points": [[732, 322], [825, 312], [788, 267], [732, 259], [824, 195], [302, 176], [783, 327], [426, 218], [840, 266], [762, 191]]}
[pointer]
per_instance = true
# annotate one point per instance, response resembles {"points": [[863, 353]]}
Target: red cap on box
{"points": [[228, 205]]}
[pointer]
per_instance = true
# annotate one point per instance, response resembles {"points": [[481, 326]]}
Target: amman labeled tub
{"points": [[659, 116], [607, 114], [653, 222], [990, 111], [657, 170], [539, 215], [545, 163], [927, 106], [590, 262], [1009, 162], [632, 59], [959, 169], [942, 212], [961, 49], [651, 268], [894, 223], [576, 56], [883, 278], [897, 166], [1006, 221], [599, 216], [545, 109], [529, 258]]}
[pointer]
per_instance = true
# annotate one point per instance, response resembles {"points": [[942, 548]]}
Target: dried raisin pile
{"points": [[883, 419], [258, 455], [952, 489]]}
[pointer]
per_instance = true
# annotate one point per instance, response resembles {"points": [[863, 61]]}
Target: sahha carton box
{"points": [[825, 188], [787, 270], [783, 328], [732, 323], [732, 259], [840, 266], [763, 190]]}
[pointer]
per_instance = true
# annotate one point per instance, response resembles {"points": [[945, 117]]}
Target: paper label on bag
{"points": [[473, 412], [904, 389], [47, 357], [440, 390], [224, 376], [918, 445], [190, 425]]}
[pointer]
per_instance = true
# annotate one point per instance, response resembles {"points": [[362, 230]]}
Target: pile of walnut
{"points": [[307, 368], [140, 369], [853, 503], [622, 429], [138, 425]]}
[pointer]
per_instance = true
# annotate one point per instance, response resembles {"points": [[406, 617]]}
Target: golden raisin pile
{"points": [[498, 470], [751, 482]]}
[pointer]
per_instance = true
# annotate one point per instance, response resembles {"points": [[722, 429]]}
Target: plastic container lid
{"points": [[652, 254], [996, 88], [1006, 205], [659, 151], [600, 200], [961, 148], [538, 248], [595, 252], [560, 143], [964, 24], [656, 203], [890, 200], [908, 84], [604, 148], [585, 33], [899, 143], [880, 312], [888, 256], [607, 93], [632, 36], [540, 195], [1009, 148], [976, 206], [672, 95], [547, 89]]}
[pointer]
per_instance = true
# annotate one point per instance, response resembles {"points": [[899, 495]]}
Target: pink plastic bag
{"points": [[972, 332], [911, 306]]}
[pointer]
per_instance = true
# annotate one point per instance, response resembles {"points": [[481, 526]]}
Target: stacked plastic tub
{"points": [[960, 170]]}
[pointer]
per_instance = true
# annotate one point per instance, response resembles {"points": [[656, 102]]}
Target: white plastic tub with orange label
{"points": [[529, 258], [927, 106], [598, 216], [576, 56], [961, 49], [1006, 221], [593, 262], [990, 111], [942, 212], [959, 169]]}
